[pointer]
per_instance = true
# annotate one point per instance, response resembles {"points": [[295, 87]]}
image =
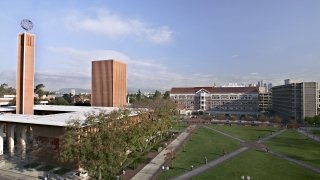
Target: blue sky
{"points": [[166, 43]]}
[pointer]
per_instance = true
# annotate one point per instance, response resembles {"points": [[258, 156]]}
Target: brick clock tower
{"points": [[25, 70]]}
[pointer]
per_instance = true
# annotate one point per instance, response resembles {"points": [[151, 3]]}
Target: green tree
{"points": [[138, 95], [5, 89], [277, 119], [68, 97], [59, 101], [157, 94], [262, 118], [166, 95], [104, 143], [232, 118], [39, 90], [220, 117]]}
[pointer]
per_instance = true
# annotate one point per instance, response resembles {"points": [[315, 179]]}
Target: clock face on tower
{"points": [[26, 24]]}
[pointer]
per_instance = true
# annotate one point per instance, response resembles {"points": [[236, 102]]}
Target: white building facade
{"points": [[217, 100]]}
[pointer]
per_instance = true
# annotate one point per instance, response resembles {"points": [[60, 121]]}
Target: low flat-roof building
{"points": [[40, 134]]}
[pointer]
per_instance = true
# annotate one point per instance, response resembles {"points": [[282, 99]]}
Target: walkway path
{"points": [[215, 162], [151, 169], [224, 134], [14, 168], [296, 161], [271, 136], [9, 175], [211, 164], [309, 135]]}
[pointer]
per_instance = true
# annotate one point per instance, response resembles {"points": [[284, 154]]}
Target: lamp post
{"points": [[164, 169]]}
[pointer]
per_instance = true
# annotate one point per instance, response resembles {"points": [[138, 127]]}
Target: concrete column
{"points": [[10, 138], [1, 138], [22, 135]]}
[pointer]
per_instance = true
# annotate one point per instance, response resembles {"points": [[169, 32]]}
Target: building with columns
{"points": [[39, 134]]}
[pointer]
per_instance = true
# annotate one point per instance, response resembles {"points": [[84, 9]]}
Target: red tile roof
{"points": [[193, 90]]}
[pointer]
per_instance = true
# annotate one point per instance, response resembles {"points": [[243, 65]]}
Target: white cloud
{"points": [[112, 25], [74, 70]]}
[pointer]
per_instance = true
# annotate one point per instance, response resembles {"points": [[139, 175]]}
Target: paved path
{"points": [[309, 135], [271, 136], [13, 168], [211, 164], [215, 162], [9, 175], [296, 161], [224, 134], [152, 168]]}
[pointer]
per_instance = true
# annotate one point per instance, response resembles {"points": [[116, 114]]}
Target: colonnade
{"points": [[14, 135]]}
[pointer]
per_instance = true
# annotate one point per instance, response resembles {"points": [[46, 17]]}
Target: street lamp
{"points": [[164, 169]]}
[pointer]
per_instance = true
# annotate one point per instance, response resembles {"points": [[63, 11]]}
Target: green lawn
{"points": [[297, 146], [316, 132], [178, 125], [258, 165], [204, 142], [246, 133]]}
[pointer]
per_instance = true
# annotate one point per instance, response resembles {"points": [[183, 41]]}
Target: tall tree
{"points": [[139, 95], [157, 94], [5, 89], [166, 95]]}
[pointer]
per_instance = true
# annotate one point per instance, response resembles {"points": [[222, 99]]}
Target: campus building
{"points": [[38, 137], [217, 100], [296, 100], [25, 73], [109, 83], [265, 102]]}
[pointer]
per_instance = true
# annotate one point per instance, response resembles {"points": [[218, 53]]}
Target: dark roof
{"points": [[192, 90]]}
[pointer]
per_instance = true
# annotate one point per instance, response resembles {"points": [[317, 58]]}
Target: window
{"points": [[215, 97]]}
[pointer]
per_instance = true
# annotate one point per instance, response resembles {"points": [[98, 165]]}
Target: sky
{"points": [[166, 43]]}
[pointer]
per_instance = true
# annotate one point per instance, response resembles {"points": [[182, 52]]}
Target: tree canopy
{"points": [[6, 90], [107, 142]]}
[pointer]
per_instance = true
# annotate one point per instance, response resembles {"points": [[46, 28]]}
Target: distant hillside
{"points": [[68, 90]]}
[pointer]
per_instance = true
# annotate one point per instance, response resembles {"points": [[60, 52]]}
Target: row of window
{"points": [[215, 97], [219, 102]]}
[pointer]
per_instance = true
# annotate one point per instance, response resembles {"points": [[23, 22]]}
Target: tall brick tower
{"points": [[25, 73], [109, 83]]}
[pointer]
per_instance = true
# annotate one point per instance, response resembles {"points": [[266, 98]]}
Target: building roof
{"points": [[74, 112], [193, 90]]}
